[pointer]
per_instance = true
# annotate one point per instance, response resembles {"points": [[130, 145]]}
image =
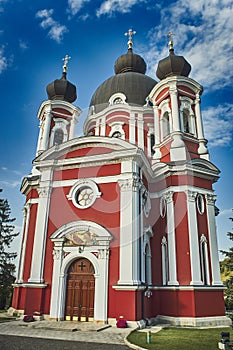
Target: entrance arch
{"points": [[80, 290], [64, 255]]}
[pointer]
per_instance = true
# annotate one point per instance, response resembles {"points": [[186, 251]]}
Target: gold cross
{"points": [[170, 35], [130, 34], [66, 60]]}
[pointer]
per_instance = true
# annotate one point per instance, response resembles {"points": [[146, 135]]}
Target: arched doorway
{"points": [[80, 291]]}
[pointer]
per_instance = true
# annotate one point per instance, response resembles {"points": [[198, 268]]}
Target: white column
{"points": [[73, 123], [132, 138], [177, 146], [157, 154], [56, 291], [210, 202], [24, 242], [140, 131], [39, 245], [97, 127], [101, 281], [46, 129], [129, 230], [202, 149], [171, 239], [103, 127], [193, 239]]}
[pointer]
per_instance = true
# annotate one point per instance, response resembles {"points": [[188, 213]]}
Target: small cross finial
{"points": [[66, 60], [130, 34], [170, 35]]}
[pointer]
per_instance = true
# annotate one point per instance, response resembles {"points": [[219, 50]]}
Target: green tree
{"points": [[7, 267], [226, 267]]}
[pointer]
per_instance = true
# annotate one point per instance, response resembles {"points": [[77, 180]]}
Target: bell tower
{"points": [[177, 115], [58, 116]]}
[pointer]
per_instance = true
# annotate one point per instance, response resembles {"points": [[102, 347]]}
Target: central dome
{"points": [[129, 79]]}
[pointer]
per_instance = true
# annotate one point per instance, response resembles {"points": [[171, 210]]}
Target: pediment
{"points": [[85, 146]]}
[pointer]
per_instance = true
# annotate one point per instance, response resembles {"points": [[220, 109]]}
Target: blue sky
{"points": [[36, 35]]}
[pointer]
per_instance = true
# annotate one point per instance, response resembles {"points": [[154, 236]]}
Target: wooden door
{"points": [[80, 291]]}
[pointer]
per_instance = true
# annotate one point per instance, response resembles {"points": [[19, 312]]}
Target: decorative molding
{"points": [[191, 195], [130, 184], [168, 196], [210, 199], [57, 254], [44, 192]]}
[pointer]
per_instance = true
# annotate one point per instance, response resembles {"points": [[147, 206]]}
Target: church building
{"points": [[121, 221]]}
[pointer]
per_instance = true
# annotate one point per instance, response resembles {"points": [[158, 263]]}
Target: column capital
{"points": [[210, 199], [44, 191], [130, 184], [173, 90], [48, 110], [57, 253], [191, 195], [168, 196], [103, 254]]}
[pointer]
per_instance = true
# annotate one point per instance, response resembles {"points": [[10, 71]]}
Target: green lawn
{"points": [[180, 338]]}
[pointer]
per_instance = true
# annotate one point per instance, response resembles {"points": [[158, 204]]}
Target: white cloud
{"points": [[23, 45], [56, 30], [74, 6], [108, 7], [218, 124], [226, 212], [11, 184], [4, 61], [203, 35]]}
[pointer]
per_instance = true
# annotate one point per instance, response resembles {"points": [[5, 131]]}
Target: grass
{"points": [[180, 338]]}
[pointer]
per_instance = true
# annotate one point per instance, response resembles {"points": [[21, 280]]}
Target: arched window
{"points": [[164, 261], [186, 121], [204, 261], [165, 124], [117, 134], [152, 143], [58, 137]]}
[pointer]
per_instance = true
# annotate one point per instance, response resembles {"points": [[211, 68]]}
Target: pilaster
{"points": [[171, 239], [129, 230], [37, 265], [210, 203], [193, 239]]}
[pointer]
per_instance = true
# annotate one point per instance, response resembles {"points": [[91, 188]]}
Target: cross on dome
{"points": [[170, 35], [130, 34], [66, 60]]}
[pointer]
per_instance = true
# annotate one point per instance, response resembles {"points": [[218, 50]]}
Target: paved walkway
{"points": [[66, 330]]}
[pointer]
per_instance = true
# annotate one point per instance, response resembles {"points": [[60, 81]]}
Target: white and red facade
{"points": [[134, 198]]}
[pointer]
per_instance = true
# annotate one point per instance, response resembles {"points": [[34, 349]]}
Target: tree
{"points": [[7, 267], [226, 267]]}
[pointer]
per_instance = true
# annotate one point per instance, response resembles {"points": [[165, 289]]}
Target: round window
{"points": [[84, 196], [84, 193]]}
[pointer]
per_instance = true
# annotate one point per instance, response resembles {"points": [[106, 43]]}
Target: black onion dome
{"points": [[173, 65], [130, 62], [62, 89], [130, 79]]}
